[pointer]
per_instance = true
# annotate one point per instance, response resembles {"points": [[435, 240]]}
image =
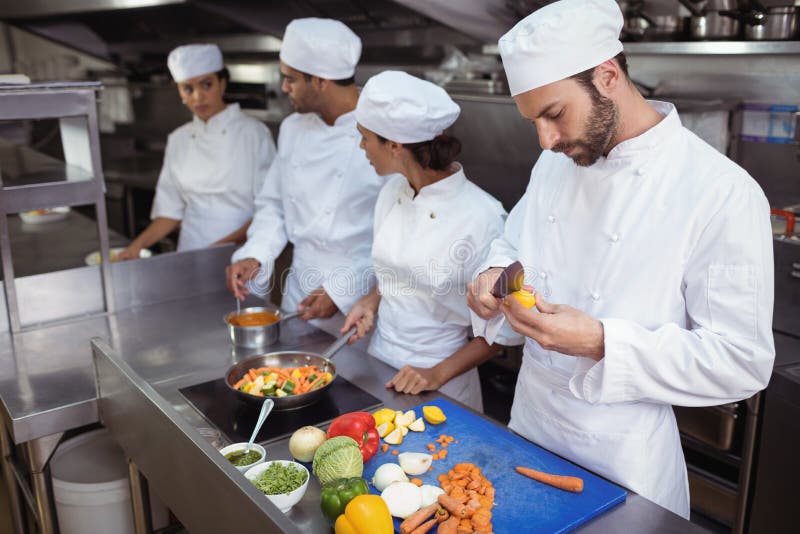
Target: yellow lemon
{"points": [[395, 437], [525, 298], [384, 415], [385, 428], [433, 414]]}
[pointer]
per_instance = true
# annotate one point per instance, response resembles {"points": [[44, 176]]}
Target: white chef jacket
{"points": [[425, 251], [320, 195], [211, 175], [669, 244]]}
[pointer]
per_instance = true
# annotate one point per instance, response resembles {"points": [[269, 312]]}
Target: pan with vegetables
{"points": [[293, 379]]}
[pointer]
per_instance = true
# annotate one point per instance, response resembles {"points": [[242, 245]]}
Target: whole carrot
{"points": [[450, 526], [425, 527], [452, 505], [573, 484], [417, 518]]}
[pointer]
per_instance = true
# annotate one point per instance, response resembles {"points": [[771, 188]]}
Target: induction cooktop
{"points": [[236, 418]]}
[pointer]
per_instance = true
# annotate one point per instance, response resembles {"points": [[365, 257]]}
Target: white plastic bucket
{"points": [[90, 487]]}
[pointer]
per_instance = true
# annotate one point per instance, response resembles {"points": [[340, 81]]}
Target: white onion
{"points": [[305, 442], [386, 474], [402, 498], [415, 463], [430, 494]]}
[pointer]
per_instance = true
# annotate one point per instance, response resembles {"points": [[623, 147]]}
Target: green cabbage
{"points": [[337, 458]]}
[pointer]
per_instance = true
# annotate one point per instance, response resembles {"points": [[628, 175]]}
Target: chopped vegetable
{"points": [[280, 478], [469, 497], [418, 425], [384, 415], [282, 381], [414, 463]]}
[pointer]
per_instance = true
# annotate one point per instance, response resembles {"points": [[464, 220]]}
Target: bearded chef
{"points": [[320, 193], [213, 166], [432, 226], [651, 254]]}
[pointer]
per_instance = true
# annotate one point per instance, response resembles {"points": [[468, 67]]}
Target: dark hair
{"points": [[224, 74], [343, 82], [586, 78], [437, 154]]}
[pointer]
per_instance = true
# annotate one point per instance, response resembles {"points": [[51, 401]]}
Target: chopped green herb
{"points": [[279, 478]]}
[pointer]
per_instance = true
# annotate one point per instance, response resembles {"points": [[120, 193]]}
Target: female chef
{"points": [[432, 226], [213, 166]]}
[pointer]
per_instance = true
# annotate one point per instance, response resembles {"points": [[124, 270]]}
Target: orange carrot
{"points": [[573, 484], [417, 518], [425, 527], [416, 481], [395, 452], [454, 506], [450, 526], [384, 447]]}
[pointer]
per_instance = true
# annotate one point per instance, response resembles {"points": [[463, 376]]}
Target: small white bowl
{"points": [[93, 258], [233, 447], [283, 501]]}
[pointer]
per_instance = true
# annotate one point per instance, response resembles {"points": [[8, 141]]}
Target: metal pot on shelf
{"points": [[713, 19], [776, 23], [641, 26]]}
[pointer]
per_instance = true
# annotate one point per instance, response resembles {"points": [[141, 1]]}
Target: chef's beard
{"points": [[601, 126]]}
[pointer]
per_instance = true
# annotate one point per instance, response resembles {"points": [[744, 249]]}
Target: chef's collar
{"points": [[444, 188], [653, 137], [219, 122]]}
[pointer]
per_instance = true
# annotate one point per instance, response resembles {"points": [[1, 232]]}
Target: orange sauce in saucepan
{"points": [[254, 319]]}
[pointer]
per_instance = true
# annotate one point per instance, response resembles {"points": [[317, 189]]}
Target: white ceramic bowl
{"points": [[45, 215], [94, 257], [233, 447], [283, 501]]}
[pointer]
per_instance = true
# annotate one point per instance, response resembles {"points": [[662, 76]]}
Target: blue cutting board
{"points": [[522, 504]]}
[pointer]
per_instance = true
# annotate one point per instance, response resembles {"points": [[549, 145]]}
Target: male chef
{"points": [[320, 192], [650, 252]]}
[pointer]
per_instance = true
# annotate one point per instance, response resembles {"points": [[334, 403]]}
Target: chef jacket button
{"points": [[551, 219], [595, 296], [543, 274], [399, 200], [433, 215], [614, 238], [640, 171]]}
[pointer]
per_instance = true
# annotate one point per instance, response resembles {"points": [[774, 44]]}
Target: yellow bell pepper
{"points": [[365, 514]]}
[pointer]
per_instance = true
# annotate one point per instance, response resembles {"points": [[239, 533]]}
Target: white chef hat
{"points": [[321, 47], [192, 60], [559, 41], [405, 109]]}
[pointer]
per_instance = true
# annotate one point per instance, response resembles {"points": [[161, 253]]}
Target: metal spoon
{"points": [[238, 307], [265, 409]]}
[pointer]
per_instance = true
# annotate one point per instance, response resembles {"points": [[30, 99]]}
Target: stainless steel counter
{"points": [[47, 385]]}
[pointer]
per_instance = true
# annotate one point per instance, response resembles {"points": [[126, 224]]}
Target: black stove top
{"points": [[236, 418]]}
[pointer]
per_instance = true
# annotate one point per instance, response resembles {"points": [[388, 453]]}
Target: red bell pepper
{"points": [[361, 427]]}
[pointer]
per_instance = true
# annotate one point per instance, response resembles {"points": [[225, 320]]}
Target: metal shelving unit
{"points": [[29, 181], [714, 48]]}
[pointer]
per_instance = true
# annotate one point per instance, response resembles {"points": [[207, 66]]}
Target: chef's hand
{"points": [[317, 305], [557, 327], [415, 380], [237, 274], [362, 316], [131, 252], [479, 294]]}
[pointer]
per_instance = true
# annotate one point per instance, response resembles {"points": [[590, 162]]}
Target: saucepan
{"points": [[256, 327], [775, 23], [288, 359], [715, 20]]}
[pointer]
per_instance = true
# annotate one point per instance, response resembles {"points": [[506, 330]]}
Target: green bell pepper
{"points": [[335, 496]]}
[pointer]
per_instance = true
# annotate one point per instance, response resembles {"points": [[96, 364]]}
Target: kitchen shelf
{"points": [[713, 48]]}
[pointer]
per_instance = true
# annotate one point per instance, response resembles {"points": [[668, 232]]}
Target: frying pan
{"points": [[290, 358]]}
